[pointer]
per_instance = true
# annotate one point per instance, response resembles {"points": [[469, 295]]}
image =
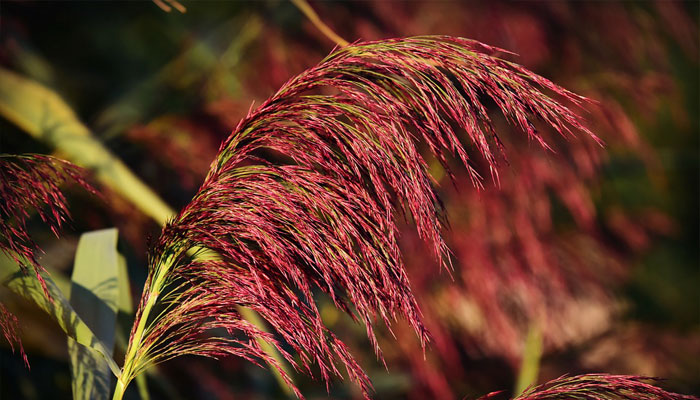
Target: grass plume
{"points": [[600, 387], [305, 191], [29, 184]]}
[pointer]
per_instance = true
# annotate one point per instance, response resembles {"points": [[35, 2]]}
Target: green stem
{"points": [[135, 343], [119, 390], [305, 8], [529, 368]]}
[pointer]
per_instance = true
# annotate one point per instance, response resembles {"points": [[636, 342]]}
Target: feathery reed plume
{"points": [[10, 330], [31, 183], [305, 191], [600, 387]]}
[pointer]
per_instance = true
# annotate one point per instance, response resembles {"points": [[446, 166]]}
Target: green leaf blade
{"points": [[59, 307], [95, 295]]}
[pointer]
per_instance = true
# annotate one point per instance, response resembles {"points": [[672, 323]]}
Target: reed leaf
{"points": [[95, 294], [56, 305], [43, 114]]}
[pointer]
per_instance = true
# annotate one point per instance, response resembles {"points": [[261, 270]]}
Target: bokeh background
{"points": [[589, 253]]}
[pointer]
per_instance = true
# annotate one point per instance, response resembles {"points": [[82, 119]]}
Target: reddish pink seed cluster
{"points": [[10, 330], [305, 192], [600, 387], [28, 184], [31, 184]]}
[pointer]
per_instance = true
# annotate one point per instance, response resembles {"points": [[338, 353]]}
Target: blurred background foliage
{"points": [[619, 227]]}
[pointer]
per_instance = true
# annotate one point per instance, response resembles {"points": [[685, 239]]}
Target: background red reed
{"points": [[597, 248]]}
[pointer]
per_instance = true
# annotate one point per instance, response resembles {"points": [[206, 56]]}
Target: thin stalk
{"points": [[171, 4], [530, 366], [135, 343], [119, 390], [305, 8]]}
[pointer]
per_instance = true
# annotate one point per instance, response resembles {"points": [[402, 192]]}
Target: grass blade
{"points": [[95, 296], [44, 115], [60, 308]]}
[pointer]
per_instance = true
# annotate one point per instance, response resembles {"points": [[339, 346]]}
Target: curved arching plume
{"points": [[31, 183], [305, 193]]}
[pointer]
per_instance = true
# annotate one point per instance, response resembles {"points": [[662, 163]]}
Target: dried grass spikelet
{"points": [[305, 192]]}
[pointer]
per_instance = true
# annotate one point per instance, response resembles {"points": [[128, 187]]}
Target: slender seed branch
{"points": [[305, 8]]}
